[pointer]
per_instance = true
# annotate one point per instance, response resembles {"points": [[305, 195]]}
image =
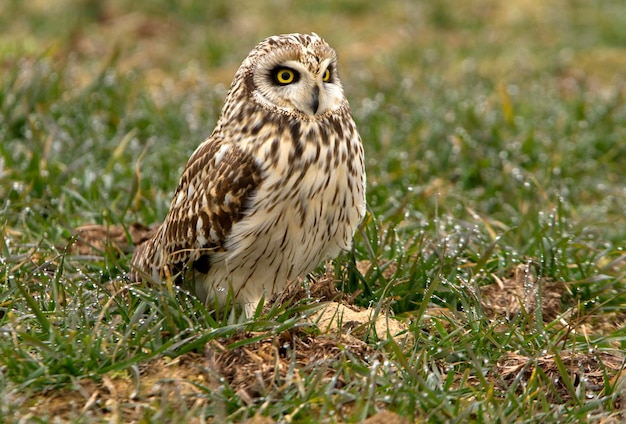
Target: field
{"points": [[486, 284]]}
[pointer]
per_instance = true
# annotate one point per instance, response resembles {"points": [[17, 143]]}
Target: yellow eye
{"points": [[326, 77], [285, 76]]}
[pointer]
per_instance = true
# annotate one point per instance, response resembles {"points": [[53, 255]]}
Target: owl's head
{"points": [[295, 74]]}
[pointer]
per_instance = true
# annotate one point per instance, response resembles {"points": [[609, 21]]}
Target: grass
{"points": [[494, 136]]}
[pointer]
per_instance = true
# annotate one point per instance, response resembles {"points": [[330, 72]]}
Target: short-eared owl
{"points": [[276, 188]]}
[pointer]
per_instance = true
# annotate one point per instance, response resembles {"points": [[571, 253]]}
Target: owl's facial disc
{"points": [[293, 86]]}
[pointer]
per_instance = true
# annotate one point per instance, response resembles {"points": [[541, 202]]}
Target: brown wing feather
{"points": [[212, 195]]}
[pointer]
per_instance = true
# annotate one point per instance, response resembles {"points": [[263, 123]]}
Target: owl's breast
{"points": [[307, 206]]}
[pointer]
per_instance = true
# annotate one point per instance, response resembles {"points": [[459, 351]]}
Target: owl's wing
{"points": [[212, 195]]}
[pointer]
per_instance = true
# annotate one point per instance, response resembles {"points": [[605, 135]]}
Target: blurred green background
{"points": [[471, 99]]}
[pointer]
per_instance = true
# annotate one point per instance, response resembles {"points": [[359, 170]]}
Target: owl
{"points": [[277, 187]]}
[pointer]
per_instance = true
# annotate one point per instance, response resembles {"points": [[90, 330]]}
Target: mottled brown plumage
{"points": [[277, 187]]}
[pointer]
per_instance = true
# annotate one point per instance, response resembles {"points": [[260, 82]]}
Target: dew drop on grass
{"points": [[18, 186]]}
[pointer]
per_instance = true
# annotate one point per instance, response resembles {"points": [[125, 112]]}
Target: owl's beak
{"points": [[315, 101]]}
